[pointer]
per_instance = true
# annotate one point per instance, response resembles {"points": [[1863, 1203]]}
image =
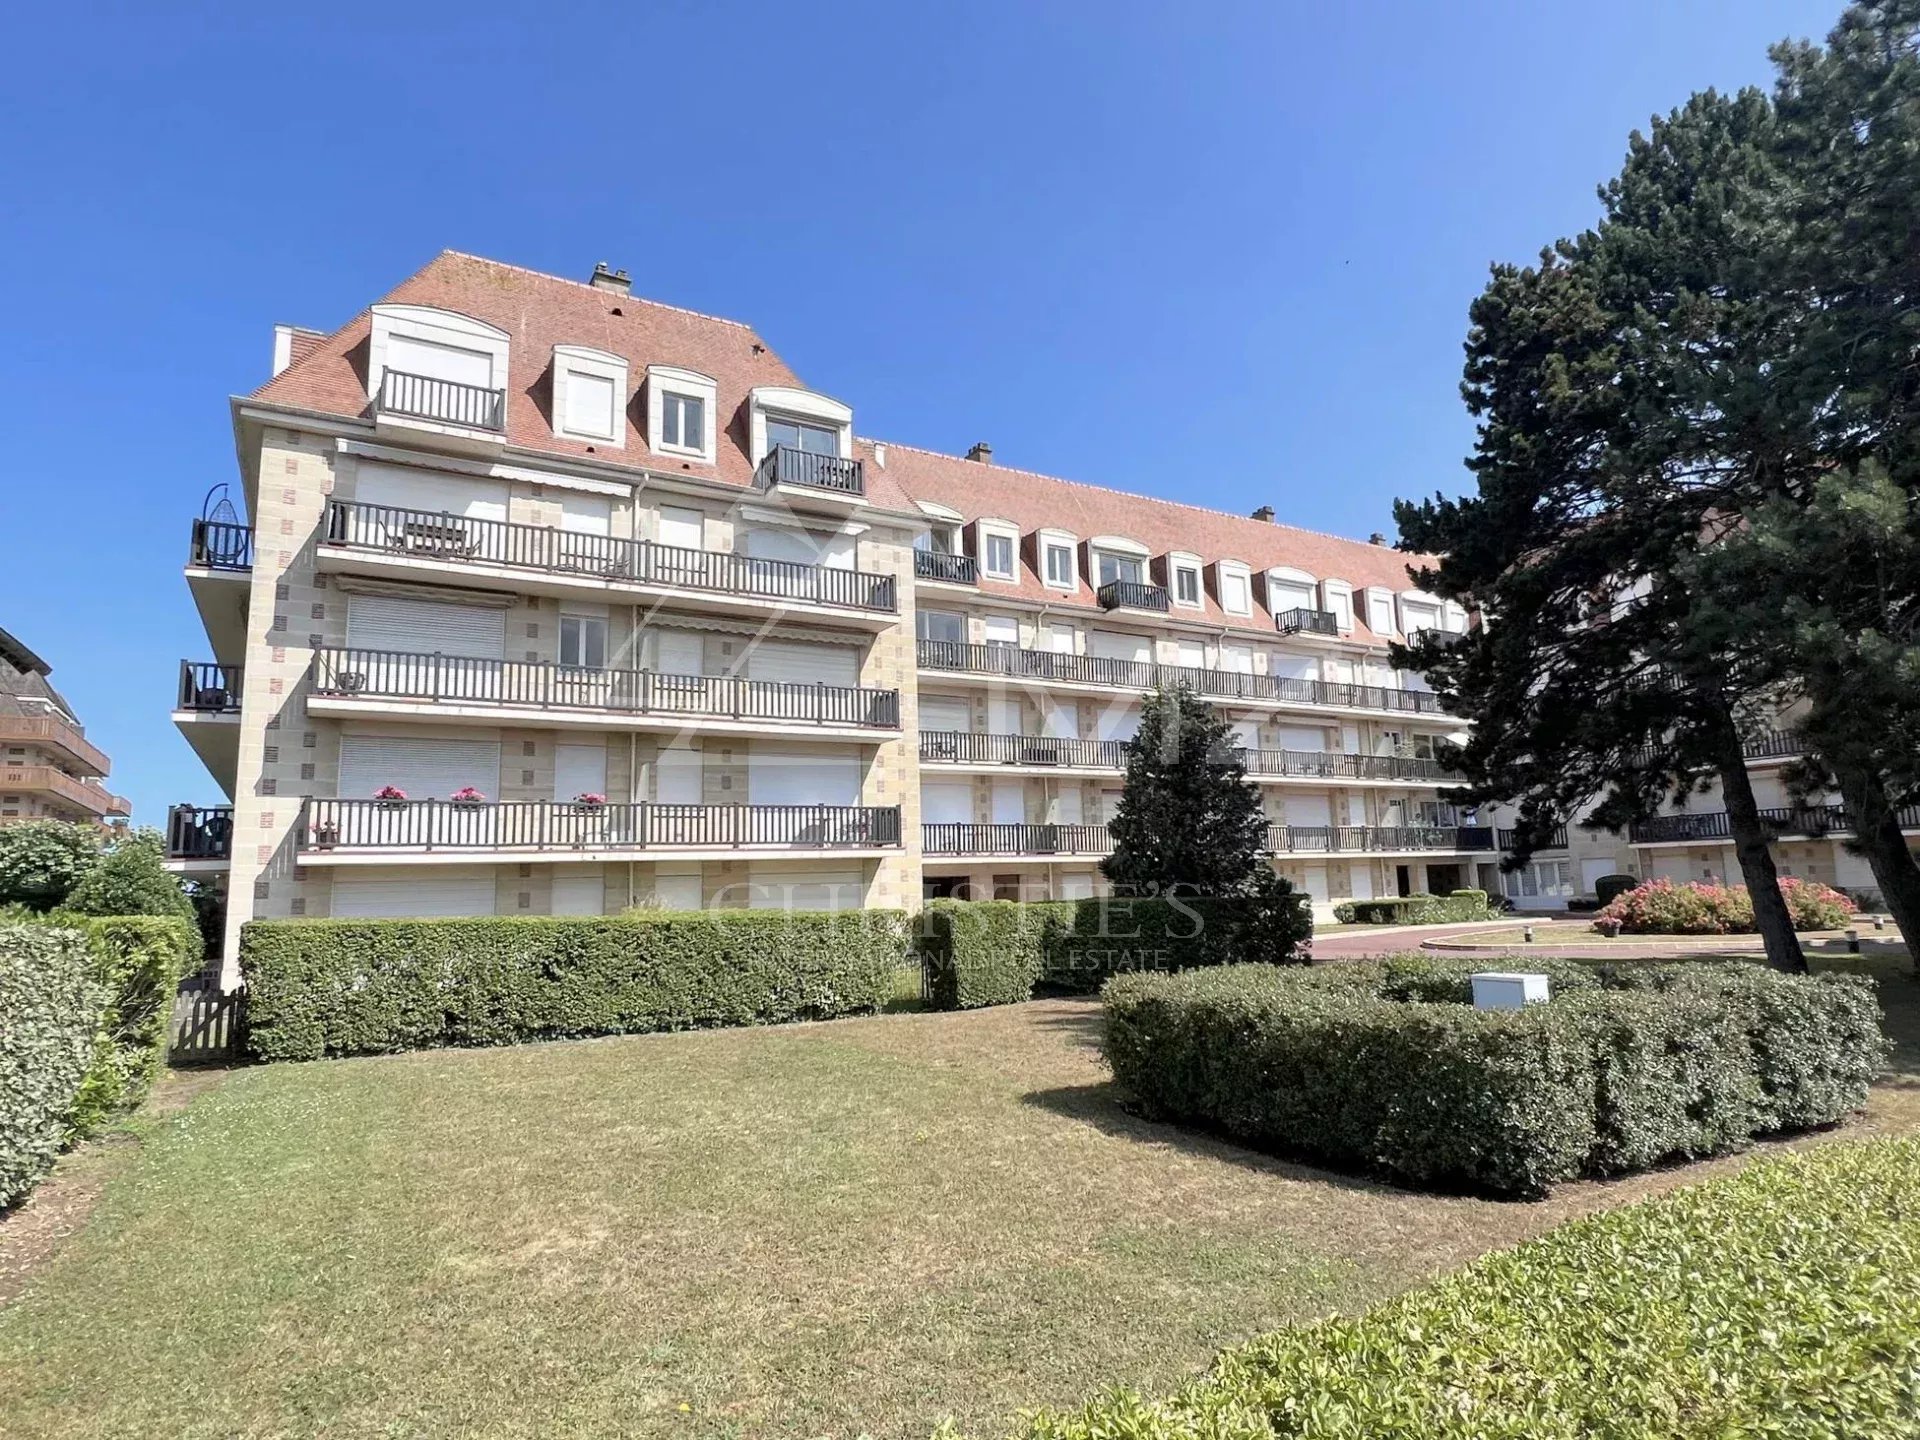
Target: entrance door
{"points": [[1402, 880]]}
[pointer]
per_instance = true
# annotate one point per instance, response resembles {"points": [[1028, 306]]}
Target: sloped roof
{"points": [[24, 689]]}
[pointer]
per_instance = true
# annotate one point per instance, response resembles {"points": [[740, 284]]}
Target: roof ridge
{"points": [[588, 285], [1137, 495]]}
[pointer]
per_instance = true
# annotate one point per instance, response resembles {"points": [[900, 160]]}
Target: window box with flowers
{"points": [[390, 797], [467, 795]]}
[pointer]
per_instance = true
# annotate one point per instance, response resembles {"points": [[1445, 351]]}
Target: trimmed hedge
{"points": [[356, 987], [50, 1008], [139, 960], [1784, 1300], [1387, 1067], [996, 952], [1417, 909]]}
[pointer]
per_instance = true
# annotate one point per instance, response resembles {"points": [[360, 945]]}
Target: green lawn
{"points": [[857, 1227]]}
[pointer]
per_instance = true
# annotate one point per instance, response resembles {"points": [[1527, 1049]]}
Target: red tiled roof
{"points": [[1035, 502], [538, 312]]}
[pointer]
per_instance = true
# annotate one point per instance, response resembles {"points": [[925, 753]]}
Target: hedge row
{"points": [[1784, 1300], [1387, 1068], [50, 1007], [1419, 909], [996, 952], [347, 987], [139, 959]]}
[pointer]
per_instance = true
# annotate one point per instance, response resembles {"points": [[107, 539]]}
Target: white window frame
{"points": [[434, 327], [1299, 579], [989, 530], [1379, 605], [572, 360], [581, 624], [788, 403], [665, 379], [1243, 573], [1336, 597], [1050, 541], [1420, 611], [1181, 562]]}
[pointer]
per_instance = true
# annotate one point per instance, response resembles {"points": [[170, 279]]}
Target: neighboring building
{"points": [[49, 770], [540, 540]]}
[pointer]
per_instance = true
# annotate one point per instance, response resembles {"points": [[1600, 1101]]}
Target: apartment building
{"points": [[555, 600], [49, 770]]}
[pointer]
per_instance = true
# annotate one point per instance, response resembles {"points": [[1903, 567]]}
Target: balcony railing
{"points": [[960, 747], [1133, 595], [50, 732], [460, 680], [221, 545], [1434, 635], [1304, 621], [967, 839], [1771, 744], [209, 687], [1556, 841], [785, 465], [954, 569], [450, 402], [1360, 839], [200, 832], [461, 539], [1334, 765], [1808, 820], [445, 825], [87, 796], [1144, 675]]}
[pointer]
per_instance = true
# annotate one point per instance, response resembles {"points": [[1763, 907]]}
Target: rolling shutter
{"points": [[1111, 645], [586, 514], [1309, 810], [946, 802], [425, 627], [1246, 734], [575, 893], [1299, 737], [945, 712], [677, 652], [1119, 723], [797, 663], [684, 528], [1076, 885], [802, 777], [414, 356], [1009, 802], [416, 892], [794, 545], [805, 889], [579, 770], [1291, 667], [408, 489], [425, 769]]}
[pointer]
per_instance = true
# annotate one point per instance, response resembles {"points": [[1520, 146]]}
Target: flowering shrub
{"points": [[589, 797], [389, 792], [1660, 907], [467, 795]]}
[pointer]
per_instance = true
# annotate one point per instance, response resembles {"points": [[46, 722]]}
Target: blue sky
{"points": [[1217, 252]]}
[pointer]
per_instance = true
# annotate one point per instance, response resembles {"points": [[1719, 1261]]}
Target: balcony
{"points": [[1133, 595], [443, 402], [948, 569], [1556, 841], [344, 679], [1435, 636], [332, 830], [1376, 839], [1773, 745], [601, 561], [51, 733], [1303, 621], [955, 747], [1046, 841], [1048, 667], [86, 796], [200, 833], [209, 688], [1713, 826], [785, 465], [1336, 765], [221, 545]]}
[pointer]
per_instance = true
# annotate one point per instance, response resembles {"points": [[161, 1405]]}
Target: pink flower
{"points": [[389, 792], [467, 793]]}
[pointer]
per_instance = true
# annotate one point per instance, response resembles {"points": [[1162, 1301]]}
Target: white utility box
{"points": [[1493, 990]]}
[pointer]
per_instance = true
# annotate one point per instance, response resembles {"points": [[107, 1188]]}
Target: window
{"points": [[683, 424], [1059, 564], [1339, 603], [583, 641], [590, 404], [1380, 612], [1234, 594], [938, 540], [1111, 567], [1003, 632], [941, 625], [1186, 585], [999, 555], [589, 387], [802, 435]]}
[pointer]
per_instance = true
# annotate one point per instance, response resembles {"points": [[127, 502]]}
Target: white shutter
{"points": [[579, 770], [1291, 667], [783, 889], [425, 627], [678, 652], [794, 545], [1119, 723], [839, 551], [1009, 802], [1237, 659], [414, 892], [801, 777], [678, 777], [1591, 871], [1110, 645], [1002, 630], [586, 514], [1191, 653], [589, 403], [1062, 720], [682, 527], [945, 712], [1067, 807], [1380, 613], [1309, 810], [1059, 639], [415, 356], [946, 802], [1299, 737], [803, 664], [579, 894], [1316, 883], [1076, 885], [673, 891], [1246, 734], [1003, 715], [1288, 595], [1360, 878], [425, 769], [408, 489]]}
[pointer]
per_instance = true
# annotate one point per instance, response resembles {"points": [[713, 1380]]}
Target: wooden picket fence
{"points": [[209, 1024]]}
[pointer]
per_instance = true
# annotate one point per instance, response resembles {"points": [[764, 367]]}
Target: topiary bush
{"points": [[1387, 1067], [138, 961], [352, 987], [50, 1007], [1784, 1300], [1661, 907], [1609, 886], [988, 952]]}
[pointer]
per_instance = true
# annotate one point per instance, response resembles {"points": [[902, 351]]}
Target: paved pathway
{"points": [[1392, 939]]}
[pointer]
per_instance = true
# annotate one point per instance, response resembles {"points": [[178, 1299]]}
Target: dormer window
{"points": [[1419, 611], [680, 412], [1290, 590], [802, 435], [1184, 571], [802, 443], [589, 394], [1109, 567], [1236, 588], [1057, 565], [999, 547], [430, 368], [1379, 611], [1336, 598]]}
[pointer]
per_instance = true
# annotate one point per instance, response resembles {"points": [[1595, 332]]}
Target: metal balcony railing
{"points": [[784, 465], [1445, 639], [968, 839], [450, 402], [200, 832], [209, 686], [1304, 621], [374, 675], [49, 732], [1133, 595], [961, 747], [1047, 665], [221, 545], [954, 569], [1770, 744], [1806, 820], [1556, 841], [1334, 765], [422, 826], [460, 539], [1361, 839]]}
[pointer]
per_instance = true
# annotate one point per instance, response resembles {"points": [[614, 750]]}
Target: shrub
{"points": [[347, 987], [50, 1008], [1385, 1068], [1781, 1300], [138, 961], [1660, 907], [42, 860], [1608, 886], [1417, 909], [131, 880], [988, 952]]}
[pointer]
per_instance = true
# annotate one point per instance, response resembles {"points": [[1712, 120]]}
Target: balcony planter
{"points": [[390, 797], [1609, 928], [467, 798], [326, 836]]}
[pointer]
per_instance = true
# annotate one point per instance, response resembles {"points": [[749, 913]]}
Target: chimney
{"points": [[1376, 538], [981, 451], [1265, 512], [614, 280]]}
